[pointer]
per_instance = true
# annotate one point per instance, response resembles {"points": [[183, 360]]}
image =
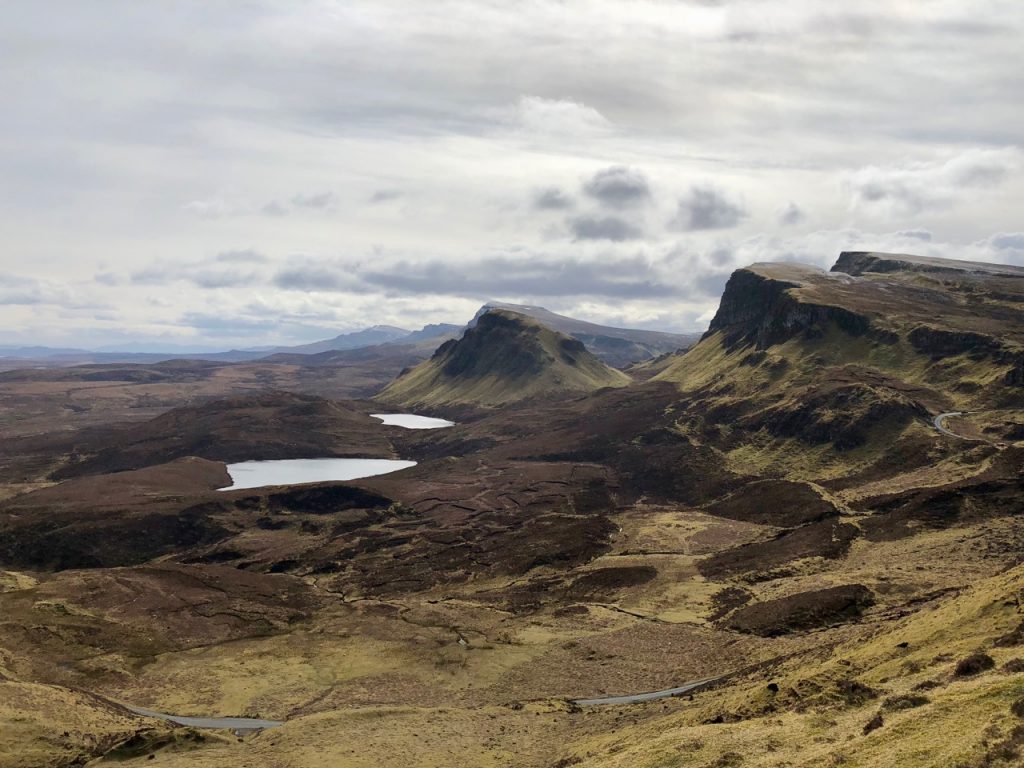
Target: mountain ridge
{"points": [[617, 347]]}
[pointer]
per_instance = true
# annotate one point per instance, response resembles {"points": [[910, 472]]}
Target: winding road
{"points": [[241, 725], [638, 698], [237, 724], [939, 423]]}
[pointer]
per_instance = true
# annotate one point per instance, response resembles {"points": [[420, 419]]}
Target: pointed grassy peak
{"points": [[505, 357]]}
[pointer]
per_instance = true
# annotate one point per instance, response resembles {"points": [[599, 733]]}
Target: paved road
{"points": [[637, 698], [236, 724], [940, 423]]}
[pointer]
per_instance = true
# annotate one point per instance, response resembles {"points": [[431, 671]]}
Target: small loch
{"points": [[256, 474], [412, 421]]}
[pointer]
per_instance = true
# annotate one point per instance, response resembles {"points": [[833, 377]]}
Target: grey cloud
{"points": [[274, 208], [220, 208], [618, 186], [242, 256], [385, 195], [154, 276], [603, 228], [722, 256], [552, 199], [21, 296], [316, 278], [791, 215], [213, 278], [1008, 241], [915, 234], [16, 290], [198, 276], [234, 324], [711, 284], [530, 275], [228, 269], [107, 278], [707, 208], [320, 201]]}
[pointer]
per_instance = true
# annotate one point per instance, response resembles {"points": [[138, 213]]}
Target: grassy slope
{"points": [[721, 378], [817, 719]]}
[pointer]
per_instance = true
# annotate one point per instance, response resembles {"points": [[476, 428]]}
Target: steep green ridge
{"points": [[617, 347], [851, 360], [504, 358]]}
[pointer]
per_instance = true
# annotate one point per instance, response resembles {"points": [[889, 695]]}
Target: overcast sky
{"points": [[218, 174]]}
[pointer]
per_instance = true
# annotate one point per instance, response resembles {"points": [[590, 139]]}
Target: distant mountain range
{"points": [[375, 336], [378, 334], [618, 347]]}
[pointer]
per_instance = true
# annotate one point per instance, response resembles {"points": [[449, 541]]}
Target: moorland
{"points": [[812, 513]]}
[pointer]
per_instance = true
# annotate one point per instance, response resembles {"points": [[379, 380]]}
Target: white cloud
{"points": [[213, 208], [560, 117], [915, 187]]}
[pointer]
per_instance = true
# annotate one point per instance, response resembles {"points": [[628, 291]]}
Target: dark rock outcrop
{"points": [[827, 539], [843, 414], [938, 343], [781, 503], [802, 611]]}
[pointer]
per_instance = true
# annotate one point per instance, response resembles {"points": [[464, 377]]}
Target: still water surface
{"points": [[412, 421], [256, 474]]}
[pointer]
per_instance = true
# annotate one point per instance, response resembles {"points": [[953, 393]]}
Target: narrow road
{"points": [[940, 423], [241, 725], [637, 698], [237, 724]]}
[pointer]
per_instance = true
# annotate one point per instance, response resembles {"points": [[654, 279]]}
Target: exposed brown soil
{"points": [[272, 425], [111, 520]]}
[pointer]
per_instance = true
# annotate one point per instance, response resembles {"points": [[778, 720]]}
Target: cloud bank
{"points": [[214, 173]]}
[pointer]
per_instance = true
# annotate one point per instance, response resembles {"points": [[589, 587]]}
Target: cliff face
{"points": [[940, 309], [860, 354], [761, 309], [867, 262]]}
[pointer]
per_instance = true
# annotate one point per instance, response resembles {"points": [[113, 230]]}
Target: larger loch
{"points": [[258, 474]]}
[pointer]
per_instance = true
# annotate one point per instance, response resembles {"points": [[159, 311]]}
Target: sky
{"points": [[207, 175]]}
